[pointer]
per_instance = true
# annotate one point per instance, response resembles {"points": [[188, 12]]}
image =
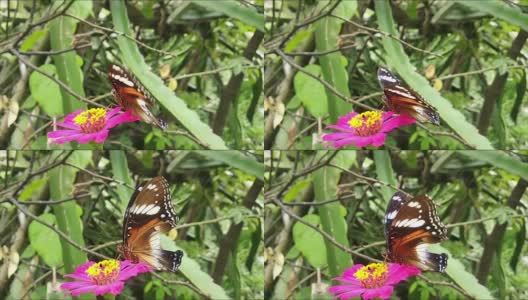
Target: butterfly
{"points": [[403, 100], [149, 215], [411, 225], [130, 94]]}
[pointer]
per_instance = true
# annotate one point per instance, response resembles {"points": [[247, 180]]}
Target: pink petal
{"points": [[113, 288], [397, 121], [351, 294], [337, 136], [378, 139], [132, 270], [101, 136], [87, 137], [357, 141], [400, 272], [81, 276], [342, 127], [68, 138], [83, 290], [348, 274], [114, 111], [383, 292], [75, 285], [69, 125], [343, 288], [61, 133], [125, 117], [386, 115]]}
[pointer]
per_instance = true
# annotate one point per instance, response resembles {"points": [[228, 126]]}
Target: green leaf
{"points": [[499, 159], [238, 160], [193, 271], [466, 280], [325, 181], [32, 187], [311, 92], [62, 31], [121, 172], [400, 62], [296, 189], [234, 9], [310, 242], [45, 241], [46, 91], [385, 173], [501, 10], [334, 71], [33, 38], [133, 59]]}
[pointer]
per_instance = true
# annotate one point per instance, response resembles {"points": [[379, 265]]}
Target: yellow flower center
{"points": [[373, 275], [104, 272], [91, 120], [367, 123]]}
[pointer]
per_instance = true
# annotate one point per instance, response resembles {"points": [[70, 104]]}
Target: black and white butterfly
{"points": [[130, 94], [148, 216], [411, 225], [403, 100]]}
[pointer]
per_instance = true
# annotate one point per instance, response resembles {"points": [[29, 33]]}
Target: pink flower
{"points": [[371, 281], [368, 128], [88, 125], [106, 276]]}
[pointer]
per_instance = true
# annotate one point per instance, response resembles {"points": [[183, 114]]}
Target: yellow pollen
{"points": [[91, 116], [106, 267], [371, 271], [368, 118]]}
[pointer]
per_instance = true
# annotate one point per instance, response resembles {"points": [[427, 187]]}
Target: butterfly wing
{"points": [[409, 232], [395, 203], [403, 100], [131, 95], [148, 216]]}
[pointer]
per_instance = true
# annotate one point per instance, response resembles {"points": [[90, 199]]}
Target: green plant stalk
{"points": [[134, 61], [334, 71], [121, 173], [325, 187], [399, 60]]}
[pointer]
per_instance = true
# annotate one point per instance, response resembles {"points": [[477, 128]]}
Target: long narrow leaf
{"points": [[237, 160], [501, 160], [235, 10], [500, 10], [333, 222]]}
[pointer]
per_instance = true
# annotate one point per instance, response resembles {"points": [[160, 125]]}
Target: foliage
{"points": [[201, 65], [479, 196], [466, 58], [82, 196]]}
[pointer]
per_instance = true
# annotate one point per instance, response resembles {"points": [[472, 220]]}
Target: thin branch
{"points": [[60, 233], [323, 82]]}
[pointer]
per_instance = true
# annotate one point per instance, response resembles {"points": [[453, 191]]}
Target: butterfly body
{"points": [[148, 216], [411, 225], [130, 94], [403, 100]]}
